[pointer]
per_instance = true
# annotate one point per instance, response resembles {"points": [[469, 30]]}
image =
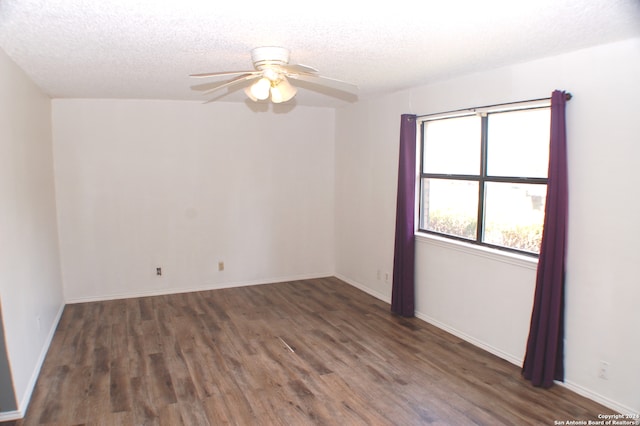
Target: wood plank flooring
{"points": [[314, 352]]}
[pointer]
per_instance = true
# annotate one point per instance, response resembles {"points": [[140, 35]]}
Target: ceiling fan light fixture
{"points": [[260, 89], [283, 91], [247, 91], [271, 74]]}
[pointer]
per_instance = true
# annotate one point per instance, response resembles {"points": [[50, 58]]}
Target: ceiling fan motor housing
{"points": [[263, 57]]}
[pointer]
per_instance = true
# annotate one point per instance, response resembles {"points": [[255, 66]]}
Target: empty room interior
{"points": [[180, 245]]}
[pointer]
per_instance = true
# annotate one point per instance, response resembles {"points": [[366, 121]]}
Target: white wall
{"points": [[487, 299], [30, 285], [182, 186], [366, 180]]}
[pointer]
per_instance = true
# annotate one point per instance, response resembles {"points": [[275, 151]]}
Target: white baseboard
{"points": [[495, 351], [615, 406], [176, 290], [482, 345], [26, 397], [6, 416], [364, 288]]}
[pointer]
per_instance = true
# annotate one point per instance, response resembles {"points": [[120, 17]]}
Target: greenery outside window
{"points": [[483, 176]]}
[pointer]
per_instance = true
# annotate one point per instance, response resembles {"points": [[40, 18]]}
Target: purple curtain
{"points": [[544, 357], [402, 293]]}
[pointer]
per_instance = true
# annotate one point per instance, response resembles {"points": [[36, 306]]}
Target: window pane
{"points": [[452, 146], [518, 143], [514, 215], [450, 207]]}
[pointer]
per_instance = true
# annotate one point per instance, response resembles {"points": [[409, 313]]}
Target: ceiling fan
{"points": [[271, 77]]}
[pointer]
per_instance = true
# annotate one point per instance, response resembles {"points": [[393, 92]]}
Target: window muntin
{"points": [[484, 177]]}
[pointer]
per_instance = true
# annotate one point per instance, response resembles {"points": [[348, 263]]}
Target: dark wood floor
{"points": [[309, 352]]}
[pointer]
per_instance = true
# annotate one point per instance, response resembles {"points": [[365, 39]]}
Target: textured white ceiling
{"points": [[147, 48]]}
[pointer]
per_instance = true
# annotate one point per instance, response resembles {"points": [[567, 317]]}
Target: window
{"points": [[483, 176]]}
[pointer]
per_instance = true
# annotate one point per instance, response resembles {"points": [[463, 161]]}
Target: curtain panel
{"points": [[403, 292], [544, 357]]}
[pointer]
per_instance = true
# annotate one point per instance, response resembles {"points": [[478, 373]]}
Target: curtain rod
{"points": [[568, 97]]}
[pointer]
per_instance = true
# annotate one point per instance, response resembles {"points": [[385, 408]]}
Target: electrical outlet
{"points": [[220, 266], [386, 277], [603, 370], [158, 271]]}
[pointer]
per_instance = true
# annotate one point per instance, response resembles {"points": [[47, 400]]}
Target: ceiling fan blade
{"points": [[295, 68], [340, 85], [205, 86], [220, 74], [230, 83]]}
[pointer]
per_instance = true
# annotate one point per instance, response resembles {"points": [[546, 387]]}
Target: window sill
{"points": [[477, 250]]}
